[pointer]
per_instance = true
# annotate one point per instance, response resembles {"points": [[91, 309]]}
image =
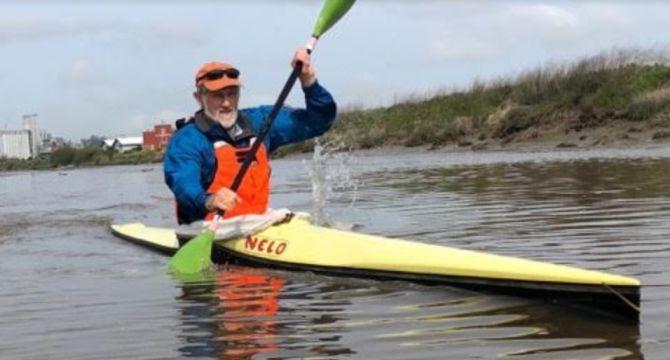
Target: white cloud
{"points": [[81, 72], [544, 17], [481, 31], [111, 31], [610, 16], [519, 25], [440, 11], [477, 33], [456, 47], [179, 33], [21, 29]]}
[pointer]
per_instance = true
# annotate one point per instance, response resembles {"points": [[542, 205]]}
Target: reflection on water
{"points": [[257, 313], [72, 290], [237, 315], [232, 317]]}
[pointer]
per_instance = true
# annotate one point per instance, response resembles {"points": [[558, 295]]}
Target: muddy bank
{"points": [[609, 133]]}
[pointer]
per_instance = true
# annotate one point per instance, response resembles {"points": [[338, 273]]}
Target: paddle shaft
{"points": [[332, 11], [297, 69], [195, 255]]}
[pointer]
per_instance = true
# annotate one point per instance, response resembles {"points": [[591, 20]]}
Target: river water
{"points": [[70, 290]]}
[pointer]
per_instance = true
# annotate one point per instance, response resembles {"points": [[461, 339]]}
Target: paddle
{"points": [[195, 255]]}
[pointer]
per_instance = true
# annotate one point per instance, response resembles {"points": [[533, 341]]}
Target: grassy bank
{"points": [[69, 156], [617, 97]]}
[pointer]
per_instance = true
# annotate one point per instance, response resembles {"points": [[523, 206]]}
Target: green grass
{"points": [[624, 85]]}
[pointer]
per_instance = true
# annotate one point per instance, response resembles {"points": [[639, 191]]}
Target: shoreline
{"points": [[616, 135], [525, 148]]}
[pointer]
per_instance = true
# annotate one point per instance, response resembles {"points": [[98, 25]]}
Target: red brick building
{"points": [[157, 139]]}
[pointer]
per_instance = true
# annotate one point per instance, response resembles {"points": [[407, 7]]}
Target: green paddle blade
{"points": [[332, 11], [195, 256]]}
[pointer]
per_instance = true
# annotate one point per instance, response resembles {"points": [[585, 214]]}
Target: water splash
{"points": [[332, 179]]}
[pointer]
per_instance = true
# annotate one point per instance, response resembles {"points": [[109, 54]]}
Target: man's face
{"points": [[221, 105]]}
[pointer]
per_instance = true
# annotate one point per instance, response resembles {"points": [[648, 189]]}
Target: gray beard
{"points": [[226, 121]]}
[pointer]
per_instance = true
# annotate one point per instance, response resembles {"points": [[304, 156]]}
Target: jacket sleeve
{"points": [[294, 125], [182, 165]]}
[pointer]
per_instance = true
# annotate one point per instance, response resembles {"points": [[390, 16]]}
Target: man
{"points": [[205, 154]]}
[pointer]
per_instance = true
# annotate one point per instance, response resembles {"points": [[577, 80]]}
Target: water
{"points": [[71, 290]]}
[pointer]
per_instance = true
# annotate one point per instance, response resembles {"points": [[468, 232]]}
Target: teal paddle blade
{"points": [[195, 256]]}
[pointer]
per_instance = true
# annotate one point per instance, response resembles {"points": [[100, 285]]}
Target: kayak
{"points": [[299, 245]]}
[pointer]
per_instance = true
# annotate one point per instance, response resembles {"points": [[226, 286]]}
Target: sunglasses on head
{"points": [[217, 74]]}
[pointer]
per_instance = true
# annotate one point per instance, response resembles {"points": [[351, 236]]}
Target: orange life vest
{"points": [[254, 192]]}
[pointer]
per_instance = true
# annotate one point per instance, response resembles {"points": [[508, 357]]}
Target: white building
{"points": [[108, 144], [30, 124], [15, 144], [123, 144]]}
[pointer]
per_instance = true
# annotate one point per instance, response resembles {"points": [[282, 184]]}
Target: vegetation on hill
{"points": [[68, 156], [621, 96]]}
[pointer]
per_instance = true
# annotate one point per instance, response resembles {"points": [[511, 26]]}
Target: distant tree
{"points": [[63, 156], [94, 141]]}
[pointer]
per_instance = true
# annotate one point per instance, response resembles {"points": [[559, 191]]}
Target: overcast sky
{"points": [[117, 68]]}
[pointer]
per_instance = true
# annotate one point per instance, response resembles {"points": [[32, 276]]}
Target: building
{"points": [[157, 138], [123, 144], [39, 142], [108, 144], [30, 124], [15, 144]]}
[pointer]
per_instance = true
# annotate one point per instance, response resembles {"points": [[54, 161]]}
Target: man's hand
{"points": [[308, 74], [223, 199]]}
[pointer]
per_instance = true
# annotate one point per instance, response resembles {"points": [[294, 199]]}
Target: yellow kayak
{"points": [[298, 244]]}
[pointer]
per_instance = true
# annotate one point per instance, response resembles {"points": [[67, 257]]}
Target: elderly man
{"points": [[206, 152]]}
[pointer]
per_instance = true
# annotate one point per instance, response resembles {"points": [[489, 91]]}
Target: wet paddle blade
{"points": [[195, 256], [332, 11]]}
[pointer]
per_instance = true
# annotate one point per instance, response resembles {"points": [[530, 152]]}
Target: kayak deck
{"points": [[301, 245]]}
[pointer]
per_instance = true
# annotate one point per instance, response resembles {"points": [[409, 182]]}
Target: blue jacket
{"points": [[190, 164]]}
